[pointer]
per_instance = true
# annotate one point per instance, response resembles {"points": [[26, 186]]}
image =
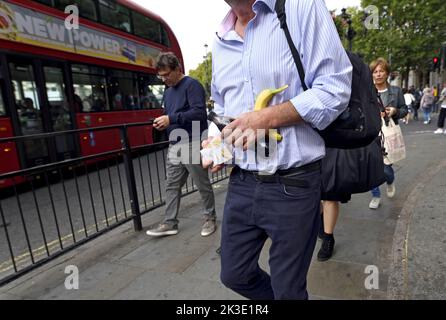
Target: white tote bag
{"points": [[393, 142]]}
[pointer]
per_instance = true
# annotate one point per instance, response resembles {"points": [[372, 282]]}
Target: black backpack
{"points": [[360, 123]]}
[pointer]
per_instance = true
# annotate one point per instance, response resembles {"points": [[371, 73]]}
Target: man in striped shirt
{"points": [[250, 53]]}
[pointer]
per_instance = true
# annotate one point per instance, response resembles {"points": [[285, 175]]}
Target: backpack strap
{"points": [[281, 15]]}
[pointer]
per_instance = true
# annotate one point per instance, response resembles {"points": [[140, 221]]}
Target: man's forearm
{"points": [[193, 114], [282, 115]]}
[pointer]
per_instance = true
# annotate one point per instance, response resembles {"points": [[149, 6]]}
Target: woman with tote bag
{"points": [[426, 104], [395, 108]]}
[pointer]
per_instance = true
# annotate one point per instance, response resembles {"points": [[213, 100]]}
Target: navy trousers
{"points": [[289, 216]]}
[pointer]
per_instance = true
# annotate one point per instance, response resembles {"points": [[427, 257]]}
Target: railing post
{"points": [[131, 183]]}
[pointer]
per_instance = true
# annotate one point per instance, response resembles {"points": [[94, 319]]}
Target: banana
{"points": [[262, 101], [264, 97]]}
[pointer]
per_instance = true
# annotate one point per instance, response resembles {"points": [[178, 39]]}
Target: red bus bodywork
{"points": [[102, 141], [96, 142], [45, 52], [9, 160]]}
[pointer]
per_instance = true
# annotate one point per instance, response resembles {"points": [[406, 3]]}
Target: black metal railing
{"points": [[56, 207]]}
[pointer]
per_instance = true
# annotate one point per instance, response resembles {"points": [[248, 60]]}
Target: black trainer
{"points": [[326, 250]]}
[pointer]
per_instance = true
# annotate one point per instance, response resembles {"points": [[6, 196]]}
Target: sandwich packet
{"points": [[217, 150]]}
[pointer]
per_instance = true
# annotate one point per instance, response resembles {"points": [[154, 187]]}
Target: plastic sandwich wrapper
{"points": [[217, 150]]}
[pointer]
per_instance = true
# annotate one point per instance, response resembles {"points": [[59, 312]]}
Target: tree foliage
{"points": [[410, 33], [203, 73]]}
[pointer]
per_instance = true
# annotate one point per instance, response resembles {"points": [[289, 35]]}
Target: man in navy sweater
{"points": [[185, 109]]}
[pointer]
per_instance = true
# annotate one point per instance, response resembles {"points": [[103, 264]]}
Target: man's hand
{"points": [[209, 163], [161, 123], [243, 131]]}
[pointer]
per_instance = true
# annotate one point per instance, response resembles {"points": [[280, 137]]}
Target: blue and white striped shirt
{"points": [[243, 67]]}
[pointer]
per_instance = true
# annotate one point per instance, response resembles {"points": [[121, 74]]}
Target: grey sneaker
{"points": [[374, 204], [208, 228], [162, 229], [391, 190]]}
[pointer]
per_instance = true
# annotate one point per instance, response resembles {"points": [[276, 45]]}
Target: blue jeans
{"points": [[390, 178], [427, 113], [255, 211]]}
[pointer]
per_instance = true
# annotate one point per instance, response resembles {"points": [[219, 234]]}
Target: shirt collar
{"points": [[270, 3], [228, 22]]}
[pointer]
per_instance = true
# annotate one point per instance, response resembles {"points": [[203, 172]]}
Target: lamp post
{"points": [[443, 63], [206, 69], [346, 19]]}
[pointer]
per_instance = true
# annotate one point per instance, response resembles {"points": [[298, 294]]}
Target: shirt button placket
{"points": [[246, 77], [247, 73]]}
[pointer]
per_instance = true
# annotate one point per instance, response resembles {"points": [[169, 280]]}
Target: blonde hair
{"points": [[380, 62]]}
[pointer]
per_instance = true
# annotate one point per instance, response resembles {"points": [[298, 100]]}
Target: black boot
{"points": [[326, 250]]}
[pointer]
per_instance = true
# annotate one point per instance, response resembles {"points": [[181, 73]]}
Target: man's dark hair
{"points": [[29, 103], [167, 60]]}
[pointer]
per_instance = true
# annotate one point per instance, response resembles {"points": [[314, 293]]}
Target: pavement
{"points": [[402, 244]]}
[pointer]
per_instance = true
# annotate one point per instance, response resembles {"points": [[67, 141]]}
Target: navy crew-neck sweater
{"points": [[185, 103]]}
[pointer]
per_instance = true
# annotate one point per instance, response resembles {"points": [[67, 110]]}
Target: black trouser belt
{"points": [[288, 177]]}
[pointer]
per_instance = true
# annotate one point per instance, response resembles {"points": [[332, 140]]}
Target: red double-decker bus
{"points": [[54, 77]]}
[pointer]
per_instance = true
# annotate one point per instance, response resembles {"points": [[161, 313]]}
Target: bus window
{"points": [[115, 15], [26, 99], [57, 100], [28, 110], [59, 111], [123, 90], [146, 28], [24, 89], [2, 104], [151, 91], [164, 37], [90, 88], [87, 8]]}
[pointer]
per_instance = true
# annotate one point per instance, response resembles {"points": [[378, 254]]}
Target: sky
{"points": [[194, 22]]}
